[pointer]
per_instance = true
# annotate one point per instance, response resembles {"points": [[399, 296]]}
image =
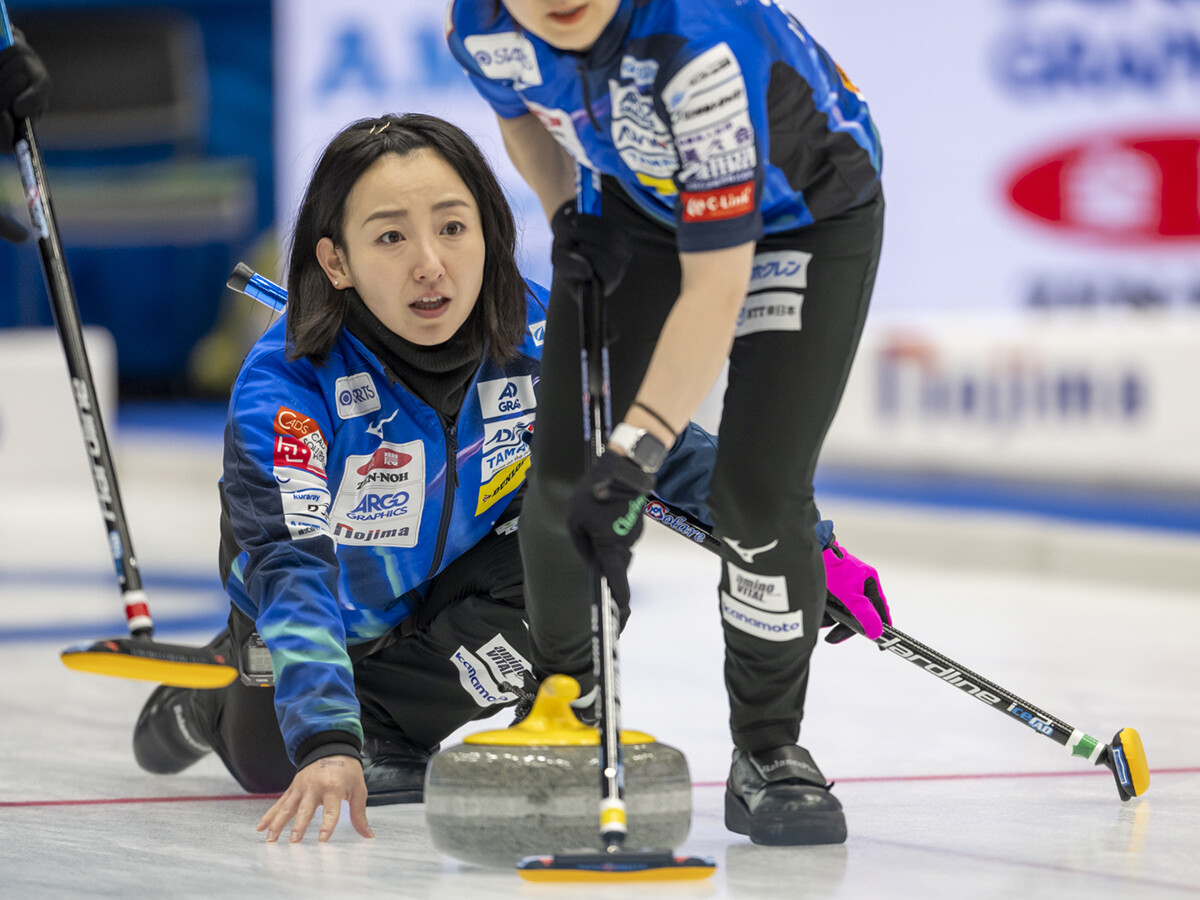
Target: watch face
{"points": [[258, 660], [256, 663], [648, 452]]}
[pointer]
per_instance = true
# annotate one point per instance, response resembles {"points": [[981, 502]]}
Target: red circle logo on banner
{"points": [[1116, 187]]}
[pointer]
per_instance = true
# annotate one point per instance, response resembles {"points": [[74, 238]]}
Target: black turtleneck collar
{"points": [[612, 38], [439, 374]]}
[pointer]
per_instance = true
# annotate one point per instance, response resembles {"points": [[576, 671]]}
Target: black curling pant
{"points": [[417, 687], [807, 303]]}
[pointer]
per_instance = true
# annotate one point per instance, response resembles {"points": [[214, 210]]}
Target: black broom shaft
{"points": [[83, 388], [604, 628], [895, 640]]}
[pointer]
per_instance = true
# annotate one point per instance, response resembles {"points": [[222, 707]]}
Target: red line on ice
{"points": [[113, 801]]}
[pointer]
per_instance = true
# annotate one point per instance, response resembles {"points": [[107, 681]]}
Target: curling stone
{"points": [[534, 788]]}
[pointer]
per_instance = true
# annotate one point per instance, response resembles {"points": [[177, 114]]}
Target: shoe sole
{"points": [[782, 830], [388, 798]]}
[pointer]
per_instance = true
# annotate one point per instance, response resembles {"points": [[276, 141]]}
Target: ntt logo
{"points": [[1118, 188]]}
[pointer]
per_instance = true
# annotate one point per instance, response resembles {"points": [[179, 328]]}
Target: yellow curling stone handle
{"points": [[552, 722]]}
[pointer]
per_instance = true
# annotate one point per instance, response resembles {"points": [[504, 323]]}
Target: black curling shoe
{"points": [[171, 732], [779, 797], [394, 771]]}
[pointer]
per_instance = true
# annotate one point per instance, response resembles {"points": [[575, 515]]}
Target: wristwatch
{"points": [[639, 445]]}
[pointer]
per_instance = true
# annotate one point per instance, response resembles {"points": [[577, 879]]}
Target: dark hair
{"points": [[317, 310]]}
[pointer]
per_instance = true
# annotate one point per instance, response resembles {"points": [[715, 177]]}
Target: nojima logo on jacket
{"points": [[1131, 188]]}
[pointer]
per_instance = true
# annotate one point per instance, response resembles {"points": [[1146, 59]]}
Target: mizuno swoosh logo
{"points": [[749, 553], [377, 428]]}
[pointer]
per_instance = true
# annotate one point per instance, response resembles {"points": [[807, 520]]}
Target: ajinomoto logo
{"points": [[1126, 188]]}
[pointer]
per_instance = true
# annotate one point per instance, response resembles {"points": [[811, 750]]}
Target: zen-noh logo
{"points": [[1131, 188]]}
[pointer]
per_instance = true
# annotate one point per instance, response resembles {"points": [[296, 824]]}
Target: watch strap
{"points": [[640, 446]]}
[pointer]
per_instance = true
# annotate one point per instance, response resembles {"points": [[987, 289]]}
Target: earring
{"points": [[336, 282]]}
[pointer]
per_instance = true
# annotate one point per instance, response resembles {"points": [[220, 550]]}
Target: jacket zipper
{"points": [[587, 95], [450, 431]]}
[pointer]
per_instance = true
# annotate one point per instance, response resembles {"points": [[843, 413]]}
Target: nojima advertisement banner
{"points": [[1041, 166]]}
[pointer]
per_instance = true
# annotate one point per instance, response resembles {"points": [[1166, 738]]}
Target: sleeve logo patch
{"points": [[769, 626], [776, 297], [504, 483], [504, 443], [381, 497], [296, 425], [356, 395], [506, 396], [477, 680], [765, 592], [722, 203], [292, 453], [505, 57], [558, 123]]}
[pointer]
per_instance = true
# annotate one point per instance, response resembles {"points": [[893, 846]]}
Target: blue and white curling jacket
{"points": [[347, 493], [723, 119]]}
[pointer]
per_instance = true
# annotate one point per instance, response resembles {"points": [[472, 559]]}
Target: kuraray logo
{"points": [[1116, 188]]}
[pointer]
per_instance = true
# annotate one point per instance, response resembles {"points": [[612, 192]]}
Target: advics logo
{"points": [[1126, 188]]}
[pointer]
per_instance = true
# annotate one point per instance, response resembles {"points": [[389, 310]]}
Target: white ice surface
{"points": [[944, 797]]}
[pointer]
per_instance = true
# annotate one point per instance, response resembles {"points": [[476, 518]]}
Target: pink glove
{"points": [[856, 585]]}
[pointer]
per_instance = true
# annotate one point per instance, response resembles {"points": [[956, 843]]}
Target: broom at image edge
{"points": [[614, 863], [136, 656]]}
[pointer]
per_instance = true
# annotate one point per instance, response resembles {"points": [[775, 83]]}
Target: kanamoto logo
{"points": [[384, 458], [723, 203], [1126, 188]]}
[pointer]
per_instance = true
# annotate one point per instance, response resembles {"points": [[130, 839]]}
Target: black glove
{"points": [[604, 518], [586, 247], [24, 89]]}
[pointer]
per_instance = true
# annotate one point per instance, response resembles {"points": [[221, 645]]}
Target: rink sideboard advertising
{"points": [[41, 441], [1038, 298], [1064, 398]]}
